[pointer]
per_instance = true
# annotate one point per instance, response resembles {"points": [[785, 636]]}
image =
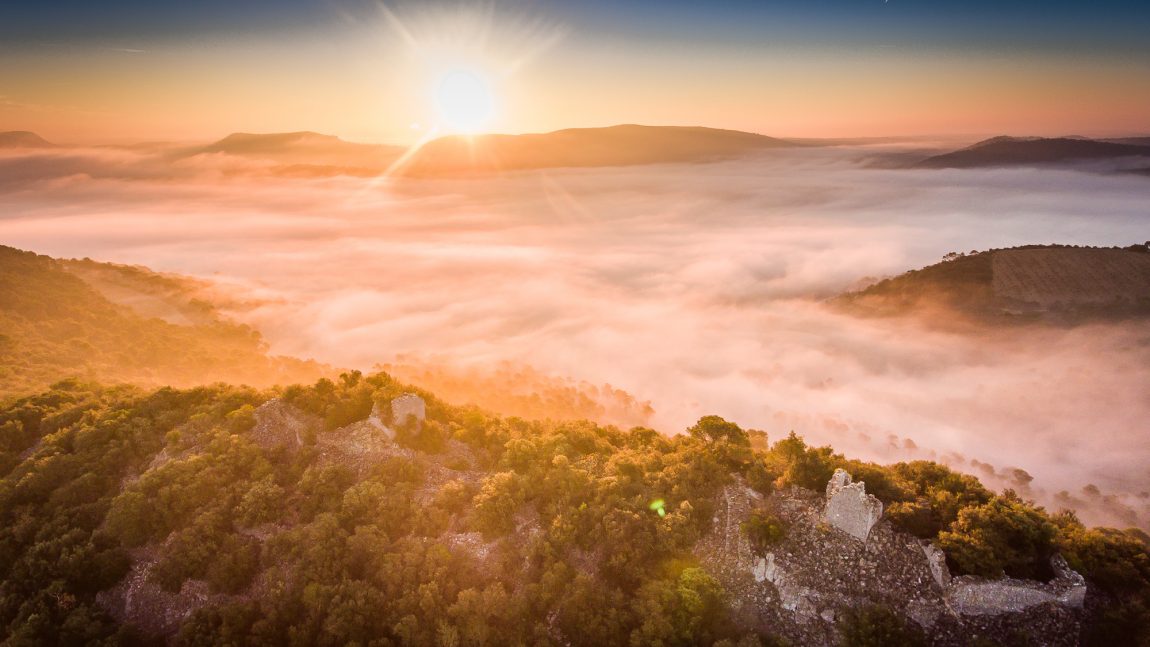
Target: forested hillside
{"points": [[54, 324], [321, 515], [1050, 283]]}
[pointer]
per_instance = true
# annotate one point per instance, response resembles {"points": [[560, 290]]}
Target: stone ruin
{"points": [[849, 508], [407, 406], [801, 587], [974, 596], [375, 420], [365, 442]]}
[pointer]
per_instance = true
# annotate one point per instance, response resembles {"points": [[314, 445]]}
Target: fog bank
{"points": [[694, 287]]}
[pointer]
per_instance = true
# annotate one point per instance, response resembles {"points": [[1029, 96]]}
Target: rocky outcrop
{"points": [[139, 601], [360, 445], [363, 443], [279, 424], [849, 508], [802, 587]]}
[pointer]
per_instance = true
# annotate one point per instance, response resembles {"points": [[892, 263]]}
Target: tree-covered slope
{"points": [[56, 325], [1055, 283], [1036, 151], [224, 515]]}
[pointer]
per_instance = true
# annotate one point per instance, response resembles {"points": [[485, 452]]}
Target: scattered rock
{"points": [[139, 601], [279, 424], [472, 543], [995, 597], [976, 596], [807, 582], [360, 445]]}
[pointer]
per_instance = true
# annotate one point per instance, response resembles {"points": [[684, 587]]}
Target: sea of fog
{"points": [[695, 286]]}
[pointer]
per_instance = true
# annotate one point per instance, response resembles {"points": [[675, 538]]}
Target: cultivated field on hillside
{"points": [[1071, 276]]}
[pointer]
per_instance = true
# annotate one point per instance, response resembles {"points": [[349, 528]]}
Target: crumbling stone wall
{"points": [[849, 508], [407, 406], [827, 564]]}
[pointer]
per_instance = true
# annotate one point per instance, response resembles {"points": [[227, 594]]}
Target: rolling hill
{"points": [[624, 145], [110, 323], [362, 510], [23, 139], [1049, 283], [56, 322], [359, 512], [1036, 151], [303, 153]]}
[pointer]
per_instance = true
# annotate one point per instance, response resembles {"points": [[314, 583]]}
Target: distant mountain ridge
{"points": [[623, 145], [23, 139], [304, 153], [1030, 151], [243, 143], [311, 153]]}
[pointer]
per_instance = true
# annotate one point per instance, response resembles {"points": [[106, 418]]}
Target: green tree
{"points": [[714, 429], [1005, 535], [878, 626]]}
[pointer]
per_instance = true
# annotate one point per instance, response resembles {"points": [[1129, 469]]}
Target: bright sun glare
{"points": [[464, 101]]}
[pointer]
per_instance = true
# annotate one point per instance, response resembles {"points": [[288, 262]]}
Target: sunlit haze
{"points": [[593, 323]]}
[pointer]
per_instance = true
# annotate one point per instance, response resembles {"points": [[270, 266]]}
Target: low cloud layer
{"points": [[696, 287]]}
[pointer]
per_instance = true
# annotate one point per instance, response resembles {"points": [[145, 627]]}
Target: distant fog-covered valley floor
{"points": [[698, 287]]}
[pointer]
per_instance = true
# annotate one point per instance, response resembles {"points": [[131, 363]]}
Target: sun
{"points": [[464, 101]]}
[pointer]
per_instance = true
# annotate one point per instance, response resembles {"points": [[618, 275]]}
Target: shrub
{"points": [[1005, 535], [878, 626], [764, 530]]}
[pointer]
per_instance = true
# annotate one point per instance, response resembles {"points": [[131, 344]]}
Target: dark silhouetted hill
{"points": [[23, 139], [1059, 284], [1034, 151], [1130, 141]]}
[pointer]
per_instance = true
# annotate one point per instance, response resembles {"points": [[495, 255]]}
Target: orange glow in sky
{"points": [[391, 77]]}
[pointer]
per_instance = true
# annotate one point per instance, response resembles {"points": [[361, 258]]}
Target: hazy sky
{"points": [[124, 70]]}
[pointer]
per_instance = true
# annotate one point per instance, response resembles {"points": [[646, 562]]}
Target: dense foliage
{"points": [[874, 626], [763, 530], [474, 529]]}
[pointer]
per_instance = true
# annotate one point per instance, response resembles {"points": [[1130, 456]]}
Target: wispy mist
{"points": [[697, 287]]}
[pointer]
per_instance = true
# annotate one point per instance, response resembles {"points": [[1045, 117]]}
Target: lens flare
{"points": [[658, 505]]}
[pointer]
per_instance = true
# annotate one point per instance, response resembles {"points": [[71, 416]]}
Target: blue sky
{"points": [[90, 70], [1098, 26]]}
